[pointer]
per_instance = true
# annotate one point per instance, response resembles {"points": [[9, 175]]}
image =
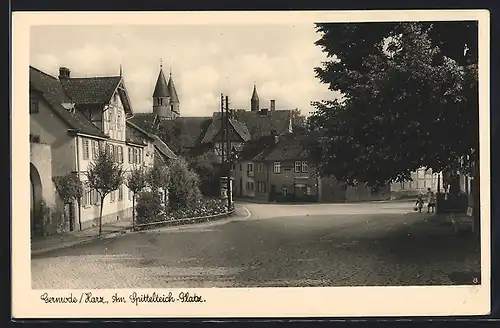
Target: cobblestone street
{"points": [[280, 245]]}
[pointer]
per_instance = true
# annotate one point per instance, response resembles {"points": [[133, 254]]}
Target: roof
{"points": [[290, 147], [214, 129], [255, 96], [255, 147], [135, 134], [145, 121], [161, 88], [163, 148], [96, 90], [261, 123], [172, 91], [187, 131], [52, 91]]}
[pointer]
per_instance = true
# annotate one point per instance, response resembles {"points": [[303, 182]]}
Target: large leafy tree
{"points": [[409, 99]]}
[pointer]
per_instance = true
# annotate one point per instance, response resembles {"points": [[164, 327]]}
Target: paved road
{"points": [[280, 245]]}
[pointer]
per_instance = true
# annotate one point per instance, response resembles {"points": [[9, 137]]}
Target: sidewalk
{"points": [[49, 243]]}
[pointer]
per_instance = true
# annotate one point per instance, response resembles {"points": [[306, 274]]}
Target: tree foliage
{"points": [[104, 175], [136, 181], [184, 185], [159, 177], [409, 99], [207, 167], [69, 187]]}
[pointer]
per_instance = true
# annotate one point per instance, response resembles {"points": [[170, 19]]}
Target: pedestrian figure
{"points": [[431, 200], [419, 204]]}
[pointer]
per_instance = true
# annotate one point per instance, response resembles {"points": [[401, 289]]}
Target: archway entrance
{"points": [[35, 202]]}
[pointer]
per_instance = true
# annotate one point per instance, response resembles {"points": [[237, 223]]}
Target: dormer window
{"points": [[69, 107]]}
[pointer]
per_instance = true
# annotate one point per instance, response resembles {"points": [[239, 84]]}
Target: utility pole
{"points": [[229, 157], [222, 128]]}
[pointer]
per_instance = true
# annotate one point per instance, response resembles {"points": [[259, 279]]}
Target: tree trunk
{"points": [[79, 214], [133, 211], [100, 215]]}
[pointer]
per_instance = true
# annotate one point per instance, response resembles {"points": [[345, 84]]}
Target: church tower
{"points": [[254, 102], [161, 97], [174, 98]]}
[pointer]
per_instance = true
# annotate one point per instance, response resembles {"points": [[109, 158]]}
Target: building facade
{"points": [[71, 119]]}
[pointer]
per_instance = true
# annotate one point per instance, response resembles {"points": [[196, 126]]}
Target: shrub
{"points": [[149, 207], [205, 207]]}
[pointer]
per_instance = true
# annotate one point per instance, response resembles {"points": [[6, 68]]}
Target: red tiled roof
{"points": [[53, 92]]}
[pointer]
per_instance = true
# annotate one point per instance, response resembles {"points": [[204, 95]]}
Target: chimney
{"points": [[274, 136], [64, 73], [273, 105]]}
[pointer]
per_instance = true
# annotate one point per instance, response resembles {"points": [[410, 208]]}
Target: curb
{"points": [[128, 230]]}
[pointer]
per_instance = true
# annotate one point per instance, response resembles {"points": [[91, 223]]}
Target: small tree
{"points": [[136, 181], [159, 178], [69, 187], [104, 175], [184, 189]]}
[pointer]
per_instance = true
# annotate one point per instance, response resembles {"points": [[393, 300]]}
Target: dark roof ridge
{"points": [[44, 73]]}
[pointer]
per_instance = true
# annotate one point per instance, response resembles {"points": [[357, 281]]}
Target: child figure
{"points": [[420, 203]]}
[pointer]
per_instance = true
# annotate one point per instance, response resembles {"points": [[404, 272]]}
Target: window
{"points": [[297, 166], [259, 167], [285, 191], [112, 196], [94, 149], [95, 198], [277, 167], [34, 106], [86, 199], [250, 167], [119, 120], [120, 193], [110, 149], [140, 156], [304, 167], [86, 148], [160, 101], [120, 154], [261, 186], [130, 155]]}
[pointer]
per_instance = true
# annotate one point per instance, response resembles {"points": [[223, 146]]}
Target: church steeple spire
{"points": [[161, 88], [254, 101]]}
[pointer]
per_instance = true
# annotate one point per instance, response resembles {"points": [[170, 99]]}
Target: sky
{"points": [[205, 61]]}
